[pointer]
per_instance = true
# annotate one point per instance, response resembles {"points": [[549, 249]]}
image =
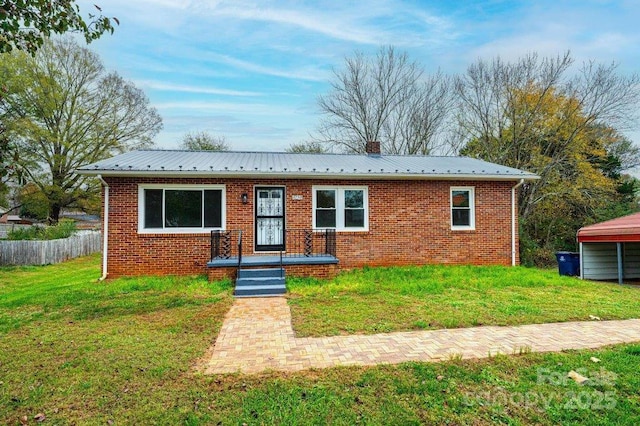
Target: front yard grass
{"points": [[380, 300], [125, 351]]}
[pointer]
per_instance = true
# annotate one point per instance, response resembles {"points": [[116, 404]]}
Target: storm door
{"points": [[269, 219]]}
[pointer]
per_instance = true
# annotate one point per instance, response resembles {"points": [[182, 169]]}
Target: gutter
{"points": [[360, 175], [513, 221], [105, 229]]}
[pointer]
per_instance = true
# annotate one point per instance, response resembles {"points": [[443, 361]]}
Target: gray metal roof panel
{"points": [[238, 163]]}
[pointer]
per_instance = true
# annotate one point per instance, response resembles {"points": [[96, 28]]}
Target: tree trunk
{"points": [[54, 213]]}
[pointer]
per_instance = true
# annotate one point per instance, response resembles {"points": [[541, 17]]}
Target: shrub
{"points": [[64, 229]]}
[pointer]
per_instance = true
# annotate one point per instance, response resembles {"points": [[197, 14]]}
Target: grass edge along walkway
{"points": [[256, 336], [431, 297]]}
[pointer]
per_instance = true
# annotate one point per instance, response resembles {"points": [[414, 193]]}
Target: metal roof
{"points": [[294, 165], [622, 229]]}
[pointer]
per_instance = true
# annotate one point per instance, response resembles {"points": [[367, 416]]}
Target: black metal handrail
{"points": [[223, 244], [310, 242], [298, 243], [239, 249]]}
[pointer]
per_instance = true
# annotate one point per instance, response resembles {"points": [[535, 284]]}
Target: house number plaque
{"points": [[296, 197]]}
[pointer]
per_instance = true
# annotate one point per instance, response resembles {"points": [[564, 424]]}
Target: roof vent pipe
{"points": [[373, 148]]}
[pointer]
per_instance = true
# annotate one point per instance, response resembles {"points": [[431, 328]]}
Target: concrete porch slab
{"points": [[273, 260]]}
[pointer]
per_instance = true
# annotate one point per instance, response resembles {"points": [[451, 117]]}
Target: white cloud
{"points": [[611, 42], [370, 23], [316, 21], [595, 30], [207, 107], [163, 86], [308, 73], [250, 133]]}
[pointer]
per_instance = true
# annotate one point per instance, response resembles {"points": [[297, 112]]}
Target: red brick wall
{"points": [[409, 223]]}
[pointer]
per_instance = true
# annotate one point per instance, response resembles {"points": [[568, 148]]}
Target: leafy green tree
{"points": [[621, 155], [70, 112], [5, 158], [33, 202], [7, 151], [26, 24], [311, 147], [580, 166], [203, 141]]}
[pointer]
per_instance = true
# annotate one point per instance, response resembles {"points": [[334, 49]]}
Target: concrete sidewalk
{"points": [[257, 335]]}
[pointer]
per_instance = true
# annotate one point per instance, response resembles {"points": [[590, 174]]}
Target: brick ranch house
{"points": [[182, 212]]}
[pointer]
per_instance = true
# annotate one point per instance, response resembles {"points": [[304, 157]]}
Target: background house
{"points": [[14, 219], [83, 221]]}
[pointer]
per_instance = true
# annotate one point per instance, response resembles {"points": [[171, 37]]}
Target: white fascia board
{"points": [[298, 175]]}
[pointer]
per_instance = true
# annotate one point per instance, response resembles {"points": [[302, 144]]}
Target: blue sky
{"points": [[252, 70]]}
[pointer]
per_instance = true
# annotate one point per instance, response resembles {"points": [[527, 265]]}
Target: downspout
{"points": [[105, 229], [513, 221]]}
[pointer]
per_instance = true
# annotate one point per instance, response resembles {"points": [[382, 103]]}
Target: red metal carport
{"points": [[611, 249]]}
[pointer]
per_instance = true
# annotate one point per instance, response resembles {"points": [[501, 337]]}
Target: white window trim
{"points": [[340, 207], [143, 230], [472, 208]]}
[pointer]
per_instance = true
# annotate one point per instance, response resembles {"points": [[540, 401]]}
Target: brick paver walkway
{"points": [[257, 336]]}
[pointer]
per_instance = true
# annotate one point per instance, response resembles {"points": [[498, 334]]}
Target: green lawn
{"points": [[375, 300], [127, 351]]}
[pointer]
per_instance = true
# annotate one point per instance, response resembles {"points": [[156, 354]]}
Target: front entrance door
{"points": [[269, 219]]}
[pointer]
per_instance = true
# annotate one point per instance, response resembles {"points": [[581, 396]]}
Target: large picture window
{"points": [[185, 208], [342, 208], [462, 208]]}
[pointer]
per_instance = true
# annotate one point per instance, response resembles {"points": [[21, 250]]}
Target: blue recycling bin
{"points": [[568, 263], [575, 260]]}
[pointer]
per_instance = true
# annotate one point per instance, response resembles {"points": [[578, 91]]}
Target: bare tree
{"points": [[419, 124], [386, 99], [203, 141]]}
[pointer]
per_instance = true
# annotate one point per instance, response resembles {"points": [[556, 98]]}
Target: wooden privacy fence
{"points": [[51, 251]]}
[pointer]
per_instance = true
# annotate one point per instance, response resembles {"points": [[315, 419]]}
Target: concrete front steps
{"points": [[266, 282]]}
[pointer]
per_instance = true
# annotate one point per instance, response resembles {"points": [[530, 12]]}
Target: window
{"points": [[325, 208], [354, 208], [462, 208], [344, 208], [180, 208]]}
